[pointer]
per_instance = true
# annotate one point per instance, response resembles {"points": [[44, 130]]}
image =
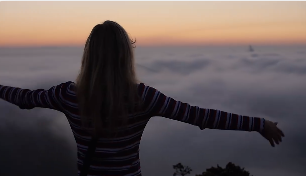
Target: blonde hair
{"points": [[106, 86]]}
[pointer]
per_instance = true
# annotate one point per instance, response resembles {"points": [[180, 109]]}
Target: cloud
{"points": [[30, 146], [231, 79], [181, 67]]}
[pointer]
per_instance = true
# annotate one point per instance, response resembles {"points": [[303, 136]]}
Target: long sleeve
{"points": [[161, 105], [29, 99]]}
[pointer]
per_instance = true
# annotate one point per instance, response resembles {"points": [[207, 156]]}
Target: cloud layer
{"points": [[266, 83]]}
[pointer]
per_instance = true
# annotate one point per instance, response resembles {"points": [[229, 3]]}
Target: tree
{"points": [[230, 170], [181, 170]]}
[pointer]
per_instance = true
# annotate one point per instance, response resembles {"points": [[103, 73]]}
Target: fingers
{"points": [[273, 134], [279, 138], [281, 132], [271, 142], [276, 140], [278, 130]]}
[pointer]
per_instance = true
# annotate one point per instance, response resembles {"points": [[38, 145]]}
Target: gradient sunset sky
{"points": [[154, 23]]}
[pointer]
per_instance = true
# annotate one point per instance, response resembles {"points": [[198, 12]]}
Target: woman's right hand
{"points": [[272, 133]]}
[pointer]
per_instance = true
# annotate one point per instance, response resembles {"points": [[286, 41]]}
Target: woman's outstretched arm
{"points": [[161, 105], [29, 99]]}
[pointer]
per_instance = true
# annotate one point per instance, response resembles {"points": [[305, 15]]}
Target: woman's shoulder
{"points": [[70, 82], [143, 87], [69, 85]]}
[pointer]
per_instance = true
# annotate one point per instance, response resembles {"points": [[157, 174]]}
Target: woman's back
{"points": [[120, 155]]}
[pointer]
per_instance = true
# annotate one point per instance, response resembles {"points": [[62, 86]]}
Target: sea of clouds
{"points": [[268, 82]]}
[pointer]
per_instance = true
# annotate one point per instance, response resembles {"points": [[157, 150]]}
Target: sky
{"points": [[154, 23], [265, 83]]}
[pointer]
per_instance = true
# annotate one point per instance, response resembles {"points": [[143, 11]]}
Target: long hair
{"points": [[106, 85]]}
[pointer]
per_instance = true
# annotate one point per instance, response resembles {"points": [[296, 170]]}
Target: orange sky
{"points": [[154, 23]]}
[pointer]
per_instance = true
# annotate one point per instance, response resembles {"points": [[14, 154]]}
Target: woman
{"points": [[108, 109]]}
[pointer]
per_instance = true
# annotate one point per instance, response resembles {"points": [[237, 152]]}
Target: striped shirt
{"points": [[120, 156]]}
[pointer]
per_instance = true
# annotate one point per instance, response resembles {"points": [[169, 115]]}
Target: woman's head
{"points": [[106, 85]]}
